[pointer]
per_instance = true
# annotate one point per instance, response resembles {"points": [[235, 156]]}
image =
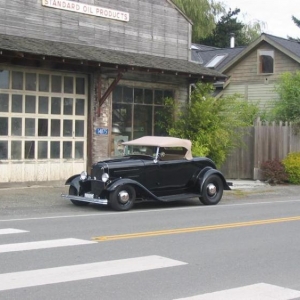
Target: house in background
{"points": [[253, 70]]}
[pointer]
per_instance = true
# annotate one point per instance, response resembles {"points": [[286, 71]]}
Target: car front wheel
{"points": [[212, 190], [73, 191], [122, 198]]}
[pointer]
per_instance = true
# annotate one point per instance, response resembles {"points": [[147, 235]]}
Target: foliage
{"points": [[273, 171], [165, 117], [202, 13], [297, 23], [292, 167], [287, 108], [228, 25], [211, 124]]}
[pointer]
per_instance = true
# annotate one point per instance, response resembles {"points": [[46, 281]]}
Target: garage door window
{"points": [[42, 116]]}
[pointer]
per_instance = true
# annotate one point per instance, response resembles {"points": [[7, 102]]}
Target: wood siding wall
{"points": [[262, 142], [254, 87], [155, 26]]}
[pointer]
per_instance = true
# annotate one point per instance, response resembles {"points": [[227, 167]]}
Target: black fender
{"points": [[122, 181], [74, 181], [206, 172]]}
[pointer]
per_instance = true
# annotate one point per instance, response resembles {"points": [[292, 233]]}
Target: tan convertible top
{"points": [[163, 141]]}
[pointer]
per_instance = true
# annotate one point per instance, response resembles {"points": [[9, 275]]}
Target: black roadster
{"points": [[153, 168]]}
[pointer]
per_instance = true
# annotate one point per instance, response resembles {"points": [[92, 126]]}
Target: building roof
{"points": [[288, 47], [205, 54], [45, 48]]}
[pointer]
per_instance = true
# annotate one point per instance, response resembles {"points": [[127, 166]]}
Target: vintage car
{"points": [[152, 168]]}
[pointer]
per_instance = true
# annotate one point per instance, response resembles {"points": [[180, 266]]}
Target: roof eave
{"points": [[254, 44], [242, 54], [180, 11]]}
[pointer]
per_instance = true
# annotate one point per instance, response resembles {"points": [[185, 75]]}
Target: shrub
{"points": [[211, 124], [273, 171], [292, 167]]}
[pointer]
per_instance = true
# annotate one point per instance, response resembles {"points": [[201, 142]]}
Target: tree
{"points": [[211, 124], [227, 25], [202, 13], [297, 22], [287, 108]]}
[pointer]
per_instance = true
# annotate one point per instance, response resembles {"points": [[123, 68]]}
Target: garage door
{"points": [[43, 125]]}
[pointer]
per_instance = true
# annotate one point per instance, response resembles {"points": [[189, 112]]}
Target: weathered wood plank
{"points": [[263, 142], [153, 21]]}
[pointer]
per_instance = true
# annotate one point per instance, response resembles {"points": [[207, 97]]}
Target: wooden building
{"points": [[252, 71], [76, 77]]}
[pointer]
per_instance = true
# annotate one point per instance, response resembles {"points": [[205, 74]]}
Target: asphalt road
{"points": [[52, 249]]}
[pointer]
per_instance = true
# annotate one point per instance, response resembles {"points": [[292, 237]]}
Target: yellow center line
{"points": [[193, 229]]}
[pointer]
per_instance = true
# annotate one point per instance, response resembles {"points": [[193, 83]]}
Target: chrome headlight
{"points": [[83, 175], [105, 177]]}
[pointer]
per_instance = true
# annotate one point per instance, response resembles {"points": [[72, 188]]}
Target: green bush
{"points": [[292, 167], [287, 108], [211, 124], [273, 171]]}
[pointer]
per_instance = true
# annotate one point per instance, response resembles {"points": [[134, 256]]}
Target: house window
{"points": [[265, 61]]}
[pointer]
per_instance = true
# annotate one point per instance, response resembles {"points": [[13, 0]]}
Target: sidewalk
{"points": [[49, 191], [258, 189], [246, 184]]}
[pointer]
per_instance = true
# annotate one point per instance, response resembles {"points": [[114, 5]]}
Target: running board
{"points": [[85, 199], [177, 197]]}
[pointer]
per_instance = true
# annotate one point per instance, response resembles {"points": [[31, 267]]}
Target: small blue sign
{"points": [[102, 131]]}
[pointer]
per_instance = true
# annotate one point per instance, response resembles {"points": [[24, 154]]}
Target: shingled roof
{"points": [[204, 54], [288, 47], [292, 46], [101, 55]]}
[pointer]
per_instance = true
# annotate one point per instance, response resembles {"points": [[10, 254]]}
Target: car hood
{"points": [[127, 166]]}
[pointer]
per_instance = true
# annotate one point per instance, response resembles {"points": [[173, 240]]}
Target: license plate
{"points": [[87, 195]]}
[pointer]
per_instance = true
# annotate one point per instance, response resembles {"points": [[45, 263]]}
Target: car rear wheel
{"points": [[212, 190], [73, 191], [122, 198]]}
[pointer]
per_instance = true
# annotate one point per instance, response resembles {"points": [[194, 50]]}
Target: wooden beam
{"points": [[109, 90]]}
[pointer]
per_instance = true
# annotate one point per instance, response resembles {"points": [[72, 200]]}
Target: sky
{"points": [[276, 14]]}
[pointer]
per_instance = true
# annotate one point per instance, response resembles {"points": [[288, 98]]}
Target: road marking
{"points": [[193, 229], [261, 291], [32, 278], [43, 245], [11, 231]]}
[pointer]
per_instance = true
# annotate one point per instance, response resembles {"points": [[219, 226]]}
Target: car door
{"points": [[152, 176], [175, 175]]}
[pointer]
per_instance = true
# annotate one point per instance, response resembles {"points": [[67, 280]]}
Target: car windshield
{"points": [[141, 150]]}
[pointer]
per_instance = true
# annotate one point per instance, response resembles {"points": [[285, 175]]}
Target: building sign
{"points": [[87, 9], [102, 131]]}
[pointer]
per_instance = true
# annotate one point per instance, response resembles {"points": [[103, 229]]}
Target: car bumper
{"points": [[85, 199]]}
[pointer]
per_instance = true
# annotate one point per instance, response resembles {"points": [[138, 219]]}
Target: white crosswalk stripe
{"points": [[260, 291], [43, 245], [11, 231], [24, 279], [39, 277]]}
